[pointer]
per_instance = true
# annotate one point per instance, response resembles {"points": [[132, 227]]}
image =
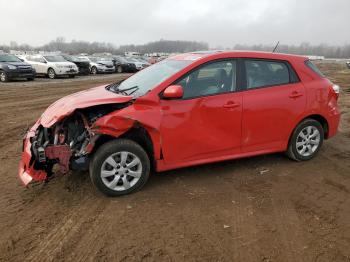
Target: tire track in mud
{"points": [[73, 225]]}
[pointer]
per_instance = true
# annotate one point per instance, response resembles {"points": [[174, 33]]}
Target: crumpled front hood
{"points": [[87, 98]]}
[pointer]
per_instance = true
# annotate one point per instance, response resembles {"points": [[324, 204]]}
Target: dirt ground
{"points": [[264, 208]]}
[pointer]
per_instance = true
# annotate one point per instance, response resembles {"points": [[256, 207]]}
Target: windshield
{"points": [[9, 58], [134, 60], [94, 59], [78, 59], [105, 59], [55, 58], [152, 76], [84, 59], [121, 59]]}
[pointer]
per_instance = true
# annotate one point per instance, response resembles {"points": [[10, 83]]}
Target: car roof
{"points": [[217, 54]]}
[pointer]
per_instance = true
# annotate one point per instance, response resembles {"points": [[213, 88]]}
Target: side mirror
{"points": [[174, 91]]}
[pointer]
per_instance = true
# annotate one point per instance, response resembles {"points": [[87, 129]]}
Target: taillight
{"points": [[336, 90]]}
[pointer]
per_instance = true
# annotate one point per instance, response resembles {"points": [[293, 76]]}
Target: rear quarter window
{"points": [[314, 68]]}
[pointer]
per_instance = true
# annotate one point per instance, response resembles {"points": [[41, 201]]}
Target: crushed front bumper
{"points": [[26, 172]]}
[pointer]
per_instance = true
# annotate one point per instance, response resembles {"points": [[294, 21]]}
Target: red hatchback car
{"points": [[187, 110]]}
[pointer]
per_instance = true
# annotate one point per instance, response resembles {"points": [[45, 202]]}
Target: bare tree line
{"points": [[169, 46], [325, 50]]}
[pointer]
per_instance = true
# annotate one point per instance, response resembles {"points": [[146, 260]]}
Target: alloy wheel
{"points": [[308, 141], [51, 74], [121, 171]]}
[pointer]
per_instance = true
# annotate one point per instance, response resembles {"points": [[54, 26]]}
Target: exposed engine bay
{"points": [[68, 142]]}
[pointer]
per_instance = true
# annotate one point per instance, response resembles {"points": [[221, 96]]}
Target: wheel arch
{"points": [[138, 134], [319, 118]]}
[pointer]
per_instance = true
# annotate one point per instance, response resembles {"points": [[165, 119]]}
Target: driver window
{"points": [[210, 79]]}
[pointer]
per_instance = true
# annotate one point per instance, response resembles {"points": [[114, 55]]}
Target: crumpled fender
{"points": [[142, 112]]}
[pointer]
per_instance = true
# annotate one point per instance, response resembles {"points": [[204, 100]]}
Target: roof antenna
{"points": [[276, 47]]}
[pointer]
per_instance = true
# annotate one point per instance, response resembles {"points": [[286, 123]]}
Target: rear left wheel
{"points": [[119, 167], [306, 140]]}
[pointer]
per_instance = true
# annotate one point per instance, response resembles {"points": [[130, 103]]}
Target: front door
{"points": [[206, 122]]}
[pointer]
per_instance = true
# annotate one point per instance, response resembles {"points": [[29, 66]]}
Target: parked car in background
{"points": [[348, 64], [52, 66], [100, 65], [12, 67], [225, 105], [139, 63], [151, 60], [122, 65], [82, 64]]}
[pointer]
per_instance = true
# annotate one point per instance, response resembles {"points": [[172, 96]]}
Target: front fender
{"points": [[146, 114]]}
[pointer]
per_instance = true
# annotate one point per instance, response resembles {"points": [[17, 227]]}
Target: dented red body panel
{"points": [[26, 172], [67, 105], [203, 129]]}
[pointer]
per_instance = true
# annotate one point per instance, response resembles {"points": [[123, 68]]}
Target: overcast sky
{"points": [[220, 23]]}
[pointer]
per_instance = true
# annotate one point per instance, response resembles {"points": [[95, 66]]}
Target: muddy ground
{"points": [[264, 208]]}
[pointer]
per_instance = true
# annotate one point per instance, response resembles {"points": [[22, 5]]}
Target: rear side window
{"points": [[314, 68], [260, 73]]}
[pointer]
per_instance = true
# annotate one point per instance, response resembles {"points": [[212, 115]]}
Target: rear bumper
{"points": [[66, 72], [84, 71], [333, 122], [105, 69]]}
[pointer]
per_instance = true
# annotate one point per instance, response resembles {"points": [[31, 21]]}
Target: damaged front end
{"points": [[65, 144]]}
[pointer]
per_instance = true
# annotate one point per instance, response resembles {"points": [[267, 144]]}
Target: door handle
{"points": [[231, 104], [295, 94]]}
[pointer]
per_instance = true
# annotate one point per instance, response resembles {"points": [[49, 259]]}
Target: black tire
{"points": [[292, 151], [94, 70], [109, 149], [3, 77], [71, 76], [30, 79], [51, 73], [119, 69]]}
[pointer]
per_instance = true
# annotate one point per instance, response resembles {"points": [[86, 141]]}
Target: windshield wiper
{"points": [[114, 88], [134, 88]]}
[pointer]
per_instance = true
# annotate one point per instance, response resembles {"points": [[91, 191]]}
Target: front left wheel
{"points": [[119, 167]]}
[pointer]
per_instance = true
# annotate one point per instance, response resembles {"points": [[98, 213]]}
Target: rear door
{"points": [[274, 98]]}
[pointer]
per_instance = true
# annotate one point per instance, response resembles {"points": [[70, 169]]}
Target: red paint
{"points": [[60, 152], [187, 132], [174, 91], [91, 97]]}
